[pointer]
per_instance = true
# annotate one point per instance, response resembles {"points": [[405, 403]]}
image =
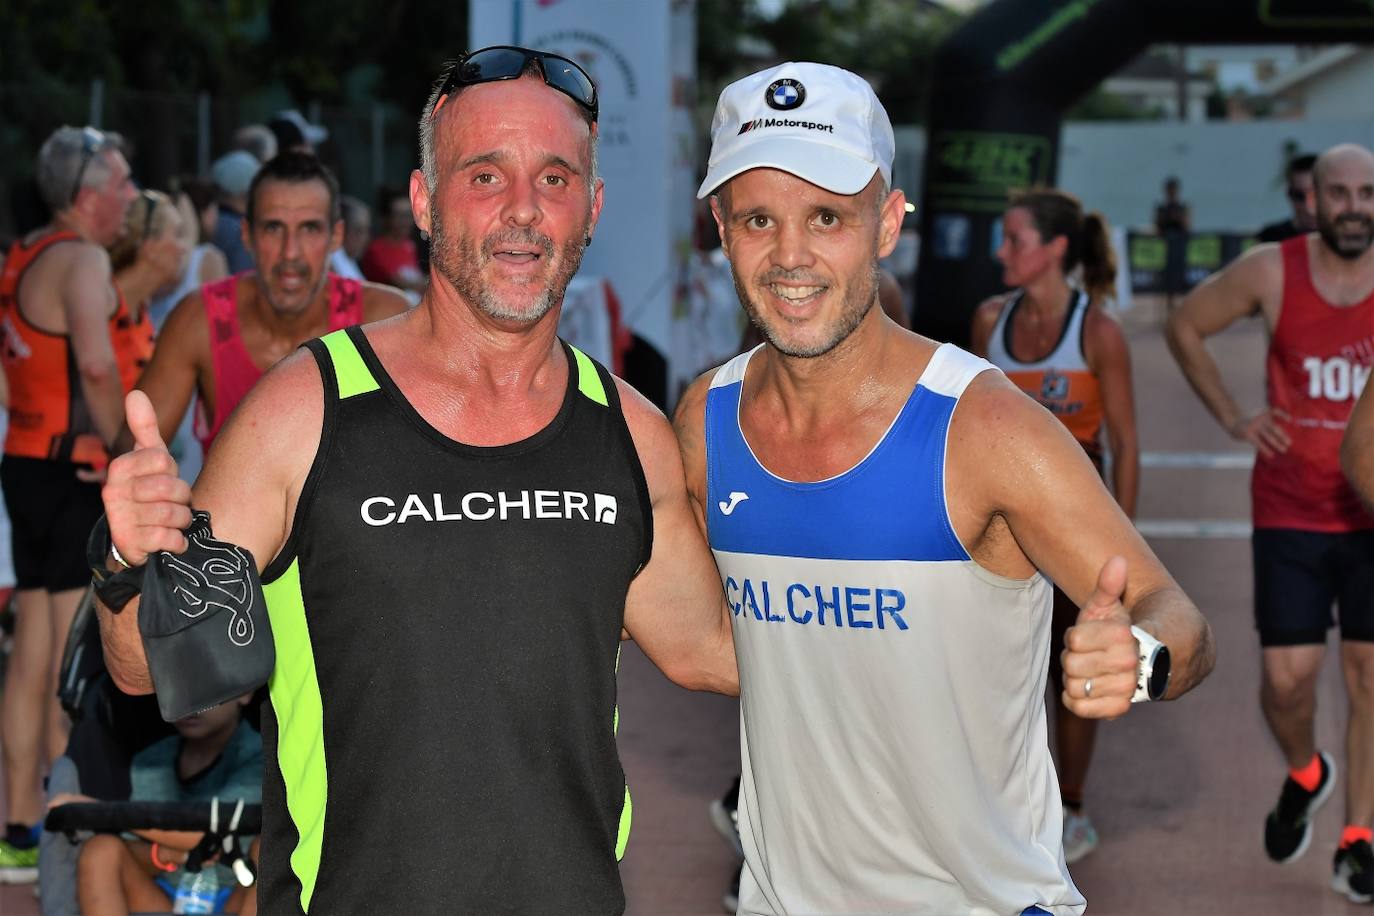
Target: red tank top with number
{"points": [[234, 369], [49, 416], [1319, 360]]}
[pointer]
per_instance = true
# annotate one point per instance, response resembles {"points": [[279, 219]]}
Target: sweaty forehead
{"points": [[775, 188]]}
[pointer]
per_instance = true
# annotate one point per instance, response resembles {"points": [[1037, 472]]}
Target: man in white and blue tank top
{"points": [[880, 507]]}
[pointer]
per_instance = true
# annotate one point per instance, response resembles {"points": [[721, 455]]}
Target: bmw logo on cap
{"points": [[784, 95]]}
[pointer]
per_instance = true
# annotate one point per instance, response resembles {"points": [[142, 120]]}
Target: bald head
{"points": [[1344, 179], [1345, 159]]}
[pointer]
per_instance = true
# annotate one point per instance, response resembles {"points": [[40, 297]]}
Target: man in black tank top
{"points": [[455, 514]]}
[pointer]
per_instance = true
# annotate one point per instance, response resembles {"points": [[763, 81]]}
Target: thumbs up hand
{"points": [[1100, 652], [146, 503]]}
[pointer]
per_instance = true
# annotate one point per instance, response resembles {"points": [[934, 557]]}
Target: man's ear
{"points": [[890, 222], [419, 201]]}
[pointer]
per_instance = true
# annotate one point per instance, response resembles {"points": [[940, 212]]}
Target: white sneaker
{"points": [[1080, 837]]}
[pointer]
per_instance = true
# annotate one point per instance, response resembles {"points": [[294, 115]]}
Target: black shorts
{"points": [[1299, 575], [51, 516]]}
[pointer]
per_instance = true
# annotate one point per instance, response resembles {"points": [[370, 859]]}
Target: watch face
{"points": [[1159, 674]]}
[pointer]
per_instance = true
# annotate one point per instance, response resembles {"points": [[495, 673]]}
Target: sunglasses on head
{"points": [[92, 142], [507, 62]]}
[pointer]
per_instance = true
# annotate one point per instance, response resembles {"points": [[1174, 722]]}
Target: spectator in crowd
{"points": [[67, 387], [357, 233], [151, 256], [1172, 215], [232, 173], [257, 139], [391, 257], [195, 202], [1300, 190], [294, 132], [215, 754]]}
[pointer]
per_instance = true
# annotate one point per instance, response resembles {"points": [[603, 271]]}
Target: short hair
{"points": [[60, 161], [257, 139], [294, 167], [1299, 165], [430, 169]]}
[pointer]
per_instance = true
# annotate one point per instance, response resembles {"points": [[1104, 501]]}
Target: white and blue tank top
{"points": [[892, 711]]}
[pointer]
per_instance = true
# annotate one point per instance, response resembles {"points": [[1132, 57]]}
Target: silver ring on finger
{"points": [[1088, 687]]}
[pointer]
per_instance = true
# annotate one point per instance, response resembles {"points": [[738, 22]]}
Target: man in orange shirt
{"points": [[70, 352]]}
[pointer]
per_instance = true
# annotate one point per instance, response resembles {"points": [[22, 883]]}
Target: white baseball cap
{"points": [[822, 124]]}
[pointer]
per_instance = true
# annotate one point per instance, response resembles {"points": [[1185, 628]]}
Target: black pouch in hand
{"points": [[204, 624]]}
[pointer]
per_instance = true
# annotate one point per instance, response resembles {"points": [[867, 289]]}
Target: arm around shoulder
{"points": [[676, 608]]}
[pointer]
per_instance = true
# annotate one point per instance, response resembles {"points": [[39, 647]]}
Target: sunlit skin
{"points": [[1345, 202], [1024, 255], [804, 258], [291, 239], [513, 190]]}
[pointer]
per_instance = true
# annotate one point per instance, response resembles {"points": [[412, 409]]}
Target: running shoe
{"points": [[1080, 836], [725, 818], [18, 866], [1353, 872], [730, 901], [1288, 829]]}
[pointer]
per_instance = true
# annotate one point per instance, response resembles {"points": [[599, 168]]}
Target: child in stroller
{"points": [[145, 790]]}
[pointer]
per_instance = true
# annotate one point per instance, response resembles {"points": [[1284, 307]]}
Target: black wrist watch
{"points": [[114, 589], [1152, 670]]}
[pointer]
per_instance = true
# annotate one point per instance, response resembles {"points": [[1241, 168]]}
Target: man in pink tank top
{"points": [[218, 341], [1313, 542]]}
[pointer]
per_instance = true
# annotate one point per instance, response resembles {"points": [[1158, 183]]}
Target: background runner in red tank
{"points": [[1313, 543], [219, 340]]}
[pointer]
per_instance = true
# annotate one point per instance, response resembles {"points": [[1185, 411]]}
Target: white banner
{"points": [[642, 56]]}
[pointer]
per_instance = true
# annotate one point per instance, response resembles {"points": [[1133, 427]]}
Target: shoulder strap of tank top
{"points": [[589, 381], [351, 375], [950, 370], [999, 341], [595, 383], [345, 302], [1078, 323]]}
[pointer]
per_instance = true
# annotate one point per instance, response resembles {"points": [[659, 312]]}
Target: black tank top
{"points": [[440, 735]]}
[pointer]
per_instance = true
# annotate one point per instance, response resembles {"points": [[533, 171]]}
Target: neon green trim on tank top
{"points": [[349, 369], [294, 691], [588, 379], [626, 810]]}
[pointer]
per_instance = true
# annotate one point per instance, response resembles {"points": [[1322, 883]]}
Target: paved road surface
{"points": [[1178, 791]]}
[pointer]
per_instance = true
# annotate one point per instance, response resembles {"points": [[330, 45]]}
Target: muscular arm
{"points": [[1024, 495], [676, 608], [86, 305], [1109, 357], [1357, 448], [1222, 299], [249, 485], [171, 375]]}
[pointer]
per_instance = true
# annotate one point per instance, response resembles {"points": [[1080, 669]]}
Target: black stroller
{"points": [[108, 729]]}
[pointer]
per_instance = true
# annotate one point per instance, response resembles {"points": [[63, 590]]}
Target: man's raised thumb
{"points": [[142, 420], [1105, 601]]}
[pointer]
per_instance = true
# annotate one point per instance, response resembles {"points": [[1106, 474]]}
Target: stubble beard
{"points": [[859, 298], [460, 260], [1326, 228]]}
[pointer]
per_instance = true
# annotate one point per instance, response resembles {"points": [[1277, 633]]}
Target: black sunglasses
{"points": [[92, 142], [1297, 195], [507, 62]]}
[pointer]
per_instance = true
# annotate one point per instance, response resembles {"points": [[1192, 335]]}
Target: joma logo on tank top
{"points": [[481, 507]]}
